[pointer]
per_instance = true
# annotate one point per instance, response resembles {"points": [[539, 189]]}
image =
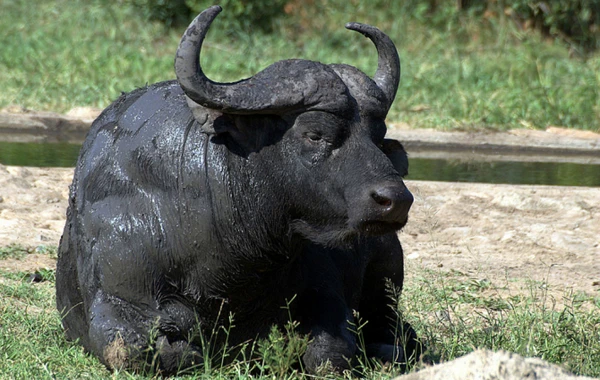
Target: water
{"points": [[36, 154], [511, 172]]}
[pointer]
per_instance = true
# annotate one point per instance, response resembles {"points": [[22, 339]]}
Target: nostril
{"points": [[386, 203], [381, 199]]}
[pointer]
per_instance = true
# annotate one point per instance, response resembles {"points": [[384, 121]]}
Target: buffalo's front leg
{"points": [[386, 336], [323, 311], [125, 336], [332, 341]]}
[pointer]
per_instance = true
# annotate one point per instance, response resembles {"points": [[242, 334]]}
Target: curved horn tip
{"points": [[213, 9], [209, 13], [387, 76], [206, 16], [357, 26]]}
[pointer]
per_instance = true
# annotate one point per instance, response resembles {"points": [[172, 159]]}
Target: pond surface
{"points": [[36, 154], [511, 172]]}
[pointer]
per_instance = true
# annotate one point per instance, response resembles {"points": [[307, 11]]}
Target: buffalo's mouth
{"points": [[329, 234], [332, 234], [375, 227]]}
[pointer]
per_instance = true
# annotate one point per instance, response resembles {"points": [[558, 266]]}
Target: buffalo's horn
{"points": [[387, 75], [262, 93], [189, 73]]}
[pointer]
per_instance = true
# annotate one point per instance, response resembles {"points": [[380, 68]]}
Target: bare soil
{"points": [[506, 234]]}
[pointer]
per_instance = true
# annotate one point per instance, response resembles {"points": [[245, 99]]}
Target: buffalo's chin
{"points": [[328, 235], [335, 234]]}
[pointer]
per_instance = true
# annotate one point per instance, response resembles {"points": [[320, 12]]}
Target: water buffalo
{"points": [[194, 201]]}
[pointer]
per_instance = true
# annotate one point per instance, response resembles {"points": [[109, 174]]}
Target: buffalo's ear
{"points": [[396, 153], [211, 122]]}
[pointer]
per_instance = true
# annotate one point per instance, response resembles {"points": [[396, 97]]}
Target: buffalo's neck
{"points": [[247, 249]]}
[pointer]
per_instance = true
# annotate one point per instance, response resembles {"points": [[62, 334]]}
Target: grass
{"points": [[12, 252], [452, 312], [455, 314], [458, 73]]}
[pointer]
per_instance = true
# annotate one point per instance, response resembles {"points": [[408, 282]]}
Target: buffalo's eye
{"points": [[312, 136]]}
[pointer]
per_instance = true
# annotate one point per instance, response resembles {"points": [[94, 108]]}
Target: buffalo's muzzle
{"points": [[390, 203], [384, 209]]}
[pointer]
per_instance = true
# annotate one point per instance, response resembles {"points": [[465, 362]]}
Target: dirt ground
{"points": [[507, 234]]}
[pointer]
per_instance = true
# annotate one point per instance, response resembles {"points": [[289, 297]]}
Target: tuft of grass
{"points": [[50, 250], [13, 252], [282, 352], [459, 72], [16, 251]]}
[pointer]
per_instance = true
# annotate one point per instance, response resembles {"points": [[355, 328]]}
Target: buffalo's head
{"points": [[323, 128]]}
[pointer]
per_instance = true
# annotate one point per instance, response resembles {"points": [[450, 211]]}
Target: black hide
{"points": [[182, 215]]}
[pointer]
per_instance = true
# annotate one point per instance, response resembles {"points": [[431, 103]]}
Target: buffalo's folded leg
{"points": [[119, 336], [177, 355], [325, 316], [329, 350], [405, 349], [386, 336]]}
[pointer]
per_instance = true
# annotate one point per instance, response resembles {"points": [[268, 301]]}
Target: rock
{"points": [[573, 133], [41, 126], [488, 365], [84, 113], [35, 277], [13, 108]]}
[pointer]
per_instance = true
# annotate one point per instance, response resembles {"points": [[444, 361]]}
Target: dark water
{"points": [[35, 154], [532, 173], [538, 173]]}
